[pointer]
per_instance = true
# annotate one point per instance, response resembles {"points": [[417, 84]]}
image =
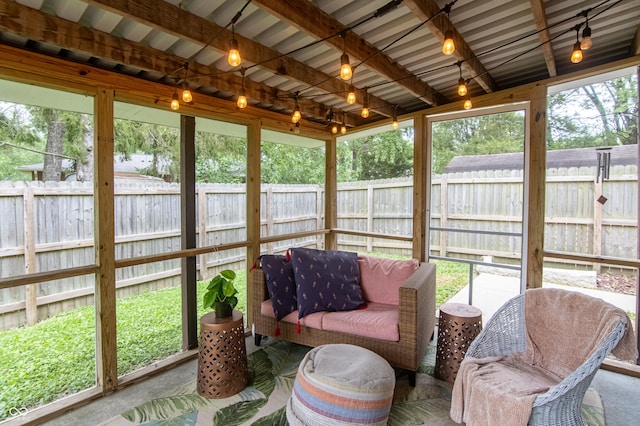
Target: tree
{"points": [[478, 135], [600, 114], [381, 156], [19, 141], [64, 133]]}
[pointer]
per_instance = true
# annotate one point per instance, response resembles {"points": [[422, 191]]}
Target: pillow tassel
{"points": [[276, 332], [298, 328]]}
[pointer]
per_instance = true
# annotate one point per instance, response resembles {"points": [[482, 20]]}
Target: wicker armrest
{"points": [[504, 333], [417, 309]]}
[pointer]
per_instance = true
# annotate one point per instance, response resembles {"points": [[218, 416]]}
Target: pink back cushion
{"points": [[381, 278]]}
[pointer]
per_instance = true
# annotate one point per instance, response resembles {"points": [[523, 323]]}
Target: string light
{"points": [[394, 120], [175, 103], [351, 96], [343, 127], [334, 128], [186, 93], [242, 98], [345, 67], [576, 55], [467, 102], [234, 54], [586, 41], [448, 47], [365, 105], [296, 129], [462, 85], [296, 116]]}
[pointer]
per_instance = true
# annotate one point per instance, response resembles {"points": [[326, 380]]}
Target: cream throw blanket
{"points": [[563, 329]]}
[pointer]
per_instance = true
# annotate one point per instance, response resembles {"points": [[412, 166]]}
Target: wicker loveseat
{"points": [[415, 313]]}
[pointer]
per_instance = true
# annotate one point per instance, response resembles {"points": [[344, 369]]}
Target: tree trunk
{"points": [[84, 167], [52, 160]]}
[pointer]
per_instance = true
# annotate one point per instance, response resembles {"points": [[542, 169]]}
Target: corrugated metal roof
{"points": [[502, 35]]}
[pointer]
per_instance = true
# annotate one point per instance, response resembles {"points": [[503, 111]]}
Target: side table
{"points": [[458, 325], [222, 357]]}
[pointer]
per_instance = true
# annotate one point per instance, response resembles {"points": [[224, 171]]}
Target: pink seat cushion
{"points": [[312, 320], [381, 279], [377, 321]]}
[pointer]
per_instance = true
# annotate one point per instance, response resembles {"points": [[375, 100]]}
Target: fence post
{"points": [[202, 228], [268, 212], [31, 301], [444, 213]]}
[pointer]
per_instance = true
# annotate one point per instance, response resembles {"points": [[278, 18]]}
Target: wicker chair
{"points": [[505, 334]]}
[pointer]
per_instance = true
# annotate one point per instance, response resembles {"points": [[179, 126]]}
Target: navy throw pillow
{"points": [[281, 285], [326, 280]]}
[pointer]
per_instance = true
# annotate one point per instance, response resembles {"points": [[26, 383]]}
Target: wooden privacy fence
{"points": [[49, 226]]}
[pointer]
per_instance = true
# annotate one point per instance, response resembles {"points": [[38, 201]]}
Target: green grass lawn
{"points": [[56, 357]]}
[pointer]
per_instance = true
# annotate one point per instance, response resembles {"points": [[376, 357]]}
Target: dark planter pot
{"points": [[223, 310]]}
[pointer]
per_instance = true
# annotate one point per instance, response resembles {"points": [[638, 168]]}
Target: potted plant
{"points": [[221, 294]]}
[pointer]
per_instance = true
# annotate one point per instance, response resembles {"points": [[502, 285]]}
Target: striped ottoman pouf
{"points": [[341, 384]]}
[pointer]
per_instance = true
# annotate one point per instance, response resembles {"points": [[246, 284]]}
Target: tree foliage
{"points": [[381, 156], [601, 114]]}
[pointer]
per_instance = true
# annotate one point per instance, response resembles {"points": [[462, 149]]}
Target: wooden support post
{"points": [[31, 290], [105, 294], [421, 187], [330, 195], [188, 231], [254, 133], [537, 163]]}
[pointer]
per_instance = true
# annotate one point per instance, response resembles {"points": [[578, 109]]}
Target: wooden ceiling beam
{"points": [[540, 18], [170, 19], [427, 9], [317, 23], [35, 25]]}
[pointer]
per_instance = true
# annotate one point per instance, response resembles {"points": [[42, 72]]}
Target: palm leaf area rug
{"points": [[272, 372]]}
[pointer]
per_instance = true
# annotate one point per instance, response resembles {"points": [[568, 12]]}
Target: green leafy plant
{"points": [[221, 291]]}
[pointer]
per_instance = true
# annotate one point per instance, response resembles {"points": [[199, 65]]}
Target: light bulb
{"points": [[467, 103], [576, 55], [345, 67], [334, 129], [365, 112], [234, 54], [343, 128], [242, 99], [586, 42], [394, 124], [175, 103], [296, 129], [296, 116], [186, 95], [351, 97], [448, 47], [462, 87]]}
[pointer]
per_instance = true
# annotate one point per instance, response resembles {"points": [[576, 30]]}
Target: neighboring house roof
{"points": [[134, 165], [577, 157]]}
